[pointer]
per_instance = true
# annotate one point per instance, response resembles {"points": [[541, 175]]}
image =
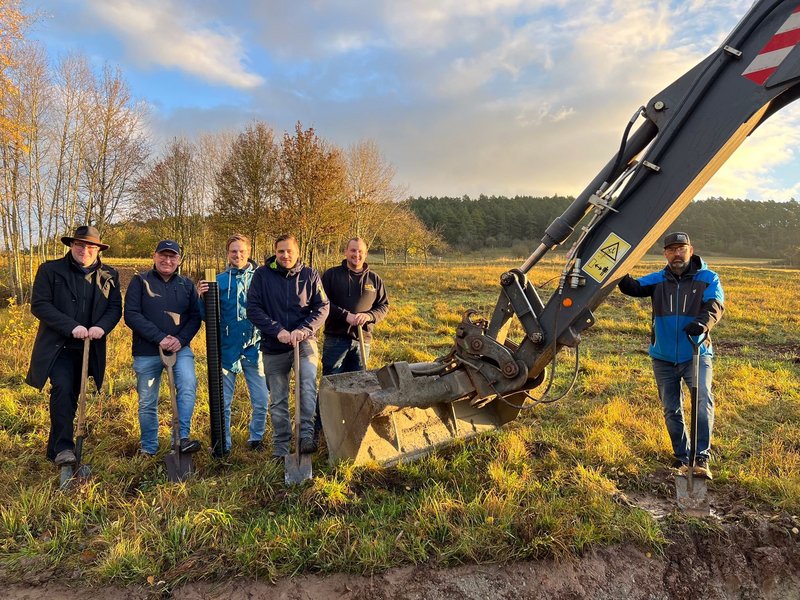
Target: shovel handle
{"points": [[297, 402], [694, 401], [169, 360], [362, 347]]}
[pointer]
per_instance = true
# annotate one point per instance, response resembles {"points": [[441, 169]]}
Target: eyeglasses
{"points": [[168, 257], [90, 247]]}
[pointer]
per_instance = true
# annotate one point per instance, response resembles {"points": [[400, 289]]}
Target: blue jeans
{"points": [[148, 382], [277, 368], [668, 379], [342, 355], [259, 396]]}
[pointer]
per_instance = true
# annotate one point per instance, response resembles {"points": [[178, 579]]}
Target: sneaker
{"points": [[189, 446], [681, 467], [308, 446], [701, 469], [65, 457], [256, 445], [146, 454]]}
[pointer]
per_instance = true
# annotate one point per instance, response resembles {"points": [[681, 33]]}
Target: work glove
{"points": [[695, 328]]}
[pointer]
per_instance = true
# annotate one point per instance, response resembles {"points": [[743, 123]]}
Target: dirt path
{"points": [[759, 559]]}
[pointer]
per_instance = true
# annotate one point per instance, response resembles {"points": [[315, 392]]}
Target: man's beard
{"points": [[678, 266]]}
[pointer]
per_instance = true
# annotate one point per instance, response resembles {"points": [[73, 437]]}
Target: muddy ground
{"points": [[733, 554]]}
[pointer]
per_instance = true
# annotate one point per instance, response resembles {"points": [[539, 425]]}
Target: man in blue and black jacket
{"points": [[687, 300], [288, 305]]}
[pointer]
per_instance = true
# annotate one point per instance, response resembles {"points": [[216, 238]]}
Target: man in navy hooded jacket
{"points": [[687, 300], [288, 305]]}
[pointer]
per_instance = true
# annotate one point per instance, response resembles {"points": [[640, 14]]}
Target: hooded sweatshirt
{"points": [[285, 299], [353, 292]]}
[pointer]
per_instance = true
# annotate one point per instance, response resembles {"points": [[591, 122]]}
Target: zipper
{"points": [[677, 321]]}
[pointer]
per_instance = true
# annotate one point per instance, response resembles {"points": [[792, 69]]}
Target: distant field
{"points": [[547, 485]]}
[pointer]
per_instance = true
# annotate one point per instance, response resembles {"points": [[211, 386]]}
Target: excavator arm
{"points": [[684, 134]]}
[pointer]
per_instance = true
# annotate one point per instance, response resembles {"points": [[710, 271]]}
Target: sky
{"points": [[495, 97]]}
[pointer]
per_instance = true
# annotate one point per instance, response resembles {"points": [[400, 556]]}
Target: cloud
{"points": [[164, 33], [752, 170], [470, 96]]}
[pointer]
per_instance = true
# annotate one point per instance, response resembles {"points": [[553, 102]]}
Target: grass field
{"points": [[547, 485]]}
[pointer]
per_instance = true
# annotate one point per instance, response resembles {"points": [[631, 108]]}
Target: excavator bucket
{"points": [[381, 416]]}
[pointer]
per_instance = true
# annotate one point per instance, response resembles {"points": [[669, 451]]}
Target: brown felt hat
{"points": [[85, 233]]}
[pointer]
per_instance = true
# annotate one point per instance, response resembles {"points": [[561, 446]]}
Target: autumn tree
{"points": [[168, 194], [312, 190], [247, 186], [117, 148], [12, 27], [370, 189]]}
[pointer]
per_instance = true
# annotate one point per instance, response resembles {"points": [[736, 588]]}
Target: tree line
{"points": [[74, 150], [729, 226]]}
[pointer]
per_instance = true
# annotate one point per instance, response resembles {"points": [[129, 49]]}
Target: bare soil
{"points": [[746, 557]]}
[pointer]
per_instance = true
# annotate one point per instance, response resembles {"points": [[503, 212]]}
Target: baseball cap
{"points": [[168, 246], [675, 238]]}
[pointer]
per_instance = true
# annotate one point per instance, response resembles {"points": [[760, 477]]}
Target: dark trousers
{"points": [[65, 385]]}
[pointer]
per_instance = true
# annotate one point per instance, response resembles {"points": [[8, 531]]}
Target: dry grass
{"points": [[544, 486]]}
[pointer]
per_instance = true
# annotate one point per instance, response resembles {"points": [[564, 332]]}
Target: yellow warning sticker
{"points": [[606, 258]]}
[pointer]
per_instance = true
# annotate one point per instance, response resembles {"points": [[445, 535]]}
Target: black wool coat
{"points": [[54, 303]]}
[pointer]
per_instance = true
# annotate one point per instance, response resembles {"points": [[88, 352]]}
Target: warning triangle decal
{"points": [[611, 251]]}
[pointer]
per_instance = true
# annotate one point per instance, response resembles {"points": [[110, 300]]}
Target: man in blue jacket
{"points": [[161, 308], [240, 339], [288, 305], [687, 299]]}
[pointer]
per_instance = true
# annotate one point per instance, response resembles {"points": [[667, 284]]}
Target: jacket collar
{"points": [[363, 270], [274, 265], [695, 264]]}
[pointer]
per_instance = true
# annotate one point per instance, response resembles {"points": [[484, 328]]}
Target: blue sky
{"points": [[462, 96]]}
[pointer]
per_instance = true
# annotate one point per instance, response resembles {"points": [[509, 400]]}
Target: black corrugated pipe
{"points": [[214, 362]]}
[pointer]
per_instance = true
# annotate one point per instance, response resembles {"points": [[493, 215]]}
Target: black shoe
{"points": [[256, 445], [308, 446], [189, 446], [701, 469], [65, 457]]}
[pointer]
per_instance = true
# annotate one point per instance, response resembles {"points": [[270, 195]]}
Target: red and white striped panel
{"points": [[777, 48]]}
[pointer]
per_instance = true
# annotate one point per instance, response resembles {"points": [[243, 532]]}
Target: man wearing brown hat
{"points": [[75, 297], [687, 300]]}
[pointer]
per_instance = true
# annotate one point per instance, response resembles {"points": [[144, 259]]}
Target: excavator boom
{"points": [[687, 131]]}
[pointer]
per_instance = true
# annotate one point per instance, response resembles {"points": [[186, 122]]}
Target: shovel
{"points": [[691, 490], [179, 464], [297, 466], [77, 473]]}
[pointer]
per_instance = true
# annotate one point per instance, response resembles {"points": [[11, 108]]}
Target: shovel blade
{"points": [[65, 477], [70, 477], [297, 468], [692, 496], [179, 465]]}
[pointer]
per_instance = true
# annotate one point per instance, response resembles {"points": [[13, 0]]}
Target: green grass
{"points": [[546, 485]]}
